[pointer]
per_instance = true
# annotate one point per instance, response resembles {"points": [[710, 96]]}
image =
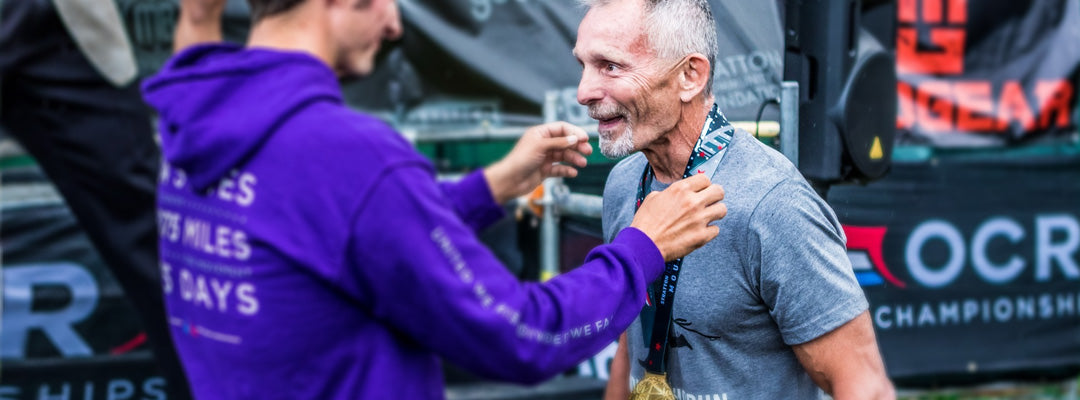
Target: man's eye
{"points": [[611, 67]]}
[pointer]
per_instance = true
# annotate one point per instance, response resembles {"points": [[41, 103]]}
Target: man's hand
{"points": [[556, 149], [677, 219], [200, 22]]}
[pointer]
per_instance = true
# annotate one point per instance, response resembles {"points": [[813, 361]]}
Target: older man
{"points": [[770, 307]]}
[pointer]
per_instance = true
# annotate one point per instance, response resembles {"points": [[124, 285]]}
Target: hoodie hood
{"points": [[217, 104]]}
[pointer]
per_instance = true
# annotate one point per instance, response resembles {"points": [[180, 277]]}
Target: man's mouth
{"points": [[606, 123]]}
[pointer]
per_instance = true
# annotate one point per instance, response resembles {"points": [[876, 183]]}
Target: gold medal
{"points": [[652, 387]]}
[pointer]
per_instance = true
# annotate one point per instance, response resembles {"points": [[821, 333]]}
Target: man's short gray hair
{"points": [[677, 28]]}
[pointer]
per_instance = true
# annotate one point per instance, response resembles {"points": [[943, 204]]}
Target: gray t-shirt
{"points": [[777, 275]]}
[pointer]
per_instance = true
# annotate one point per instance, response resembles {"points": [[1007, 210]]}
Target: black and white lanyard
{"points": [[709, 150]]}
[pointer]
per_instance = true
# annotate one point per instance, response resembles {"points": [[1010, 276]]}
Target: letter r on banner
{"points": [[58, 325]]}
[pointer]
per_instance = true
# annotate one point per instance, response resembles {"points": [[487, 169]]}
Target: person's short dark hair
{"points": [[264, 8]]}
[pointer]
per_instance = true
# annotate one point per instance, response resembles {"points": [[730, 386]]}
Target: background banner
{"points": [[970, 265], [986, 72], [68, 330]]}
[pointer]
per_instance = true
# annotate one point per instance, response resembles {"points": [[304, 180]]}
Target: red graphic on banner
{"points": [[930, 43], [943, 50], [130, 345], [871, 239], [974, 106]]}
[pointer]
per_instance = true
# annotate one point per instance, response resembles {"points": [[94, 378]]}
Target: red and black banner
{"points": [[971, 267], [976, 73]]}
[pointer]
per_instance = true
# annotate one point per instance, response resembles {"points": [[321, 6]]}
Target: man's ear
{"points": [[693, 77]]}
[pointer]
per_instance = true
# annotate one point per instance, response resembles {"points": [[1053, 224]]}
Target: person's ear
{"points": [[693, 77]]}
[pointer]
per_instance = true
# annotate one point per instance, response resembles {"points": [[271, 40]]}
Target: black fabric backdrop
{"points": [[973, 73], [976, 263], [461, 63]]}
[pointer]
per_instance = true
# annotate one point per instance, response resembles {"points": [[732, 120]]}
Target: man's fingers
{"points": [[695, 183], [584, 147], [711, 232], [558, 155], [558, 143], [562, 129], [716, 211], [713, 193], [563, 171], [574, 158]]}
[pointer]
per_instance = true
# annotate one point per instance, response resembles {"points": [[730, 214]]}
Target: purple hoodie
{"points": [[309, 253]]}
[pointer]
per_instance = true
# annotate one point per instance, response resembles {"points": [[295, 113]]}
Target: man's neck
{"points": [[669, 153], [296, 30]]}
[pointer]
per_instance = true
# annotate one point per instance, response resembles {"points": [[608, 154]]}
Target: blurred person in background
{"points": [[770, 309], [67, 75], [309, 252]]}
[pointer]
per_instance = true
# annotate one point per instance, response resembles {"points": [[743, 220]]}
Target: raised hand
{"points": [[555, 149]]}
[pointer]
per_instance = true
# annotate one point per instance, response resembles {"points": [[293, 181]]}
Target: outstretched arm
{"points": [[424, 272], [426, 275]]}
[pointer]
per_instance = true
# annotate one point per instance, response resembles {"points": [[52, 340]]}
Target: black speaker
{"points": [[847, 91]]}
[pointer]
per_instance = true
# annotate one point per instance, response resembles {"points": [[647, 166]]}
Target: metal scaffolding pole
{"points": [[549, 221], [789, 120], [549, 231]]}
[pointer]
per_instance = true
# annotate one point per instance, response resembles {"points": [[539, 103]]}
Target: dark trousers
{"points": [[95, 143]]}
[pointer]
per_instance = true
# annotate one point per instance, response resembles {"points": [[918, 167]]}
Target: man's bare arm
{"points": [[618, 384], [846, 362]]}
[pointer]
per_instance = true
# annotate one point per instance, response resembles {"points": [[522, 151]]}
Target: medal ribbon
{"points": [[656, 315]]}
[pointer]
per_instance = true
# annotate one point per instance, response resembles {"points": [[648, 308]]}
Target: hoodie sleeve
{"points": [[425, 274], [472, 201]]}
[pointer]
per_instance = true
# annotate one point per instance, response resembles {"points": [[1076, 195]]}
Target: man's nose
{"points": [[393, 30], [589, 90]]}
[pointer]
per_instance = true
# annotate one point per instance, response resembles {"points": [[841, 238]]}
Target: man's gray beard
{"points": [[620, 147]]}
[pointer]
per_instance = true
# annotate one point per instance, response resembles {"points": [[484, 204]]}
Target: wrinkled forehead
{"points": [[616, 29]]}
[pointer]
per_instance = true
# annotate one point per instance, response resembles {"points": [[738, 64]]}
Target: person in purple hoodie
{"points": [[308, 251]]}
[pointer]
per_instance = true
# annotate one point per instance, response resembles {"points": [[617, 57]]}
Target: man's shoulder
{"points": [[339, 121], [623, 177], [627, 169], [756, 177], [754, 167], [750, 153]]}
